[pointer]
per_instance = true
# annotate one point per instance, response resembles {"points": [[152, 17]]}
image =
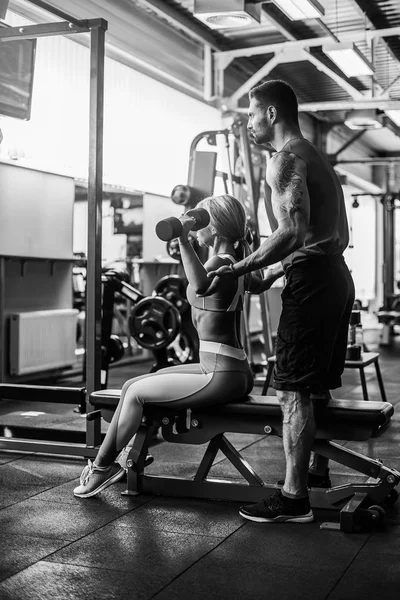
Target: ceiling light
{"points": [[363, 119], [299, 10], [228, 13], [349, 59], [394, 115]]}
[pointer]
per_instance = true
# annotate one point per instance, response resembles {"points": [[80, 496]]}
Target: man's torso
{"points": [[327, 232]]}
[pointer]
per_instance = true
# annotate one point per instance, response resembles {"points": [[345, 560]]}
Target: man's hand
{"points": [[266, 283], [221, 272], [215, 276]]}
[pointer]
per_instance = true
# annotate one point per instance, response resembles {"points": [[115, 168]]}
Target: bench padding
{"points": [[357, 412]]}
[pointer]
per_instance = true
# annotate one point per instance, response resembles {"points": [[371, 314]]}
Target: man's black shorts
{"points": [[311, 343]]}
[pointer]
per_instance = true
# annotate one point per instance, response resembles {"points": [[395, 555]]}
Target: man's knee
{"points": [[292, 403]]}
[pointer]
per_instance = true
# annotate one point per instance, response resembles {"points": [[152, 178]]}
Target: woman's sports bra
{"points": [[216, 302]]}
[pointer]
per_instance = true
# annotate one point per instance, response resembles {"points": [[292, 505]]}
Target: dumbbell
{"points": [[171, 228]]}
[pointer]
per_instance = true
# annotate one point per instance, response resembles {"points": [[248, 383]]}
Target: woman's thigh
{"points": [[181, 390], [190, 368]]}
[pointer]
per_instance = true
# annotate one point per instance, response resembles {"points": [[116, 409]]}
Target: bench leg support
{"points": [[136, 463], [208, 458]]}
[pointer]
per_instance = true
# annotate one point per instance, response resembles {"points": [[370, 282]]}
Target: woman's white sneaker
{"points": [[94, 480]]}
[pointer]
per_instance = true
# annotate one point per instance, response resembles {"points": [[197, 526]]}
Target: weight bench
{"points": [[339, 420]]}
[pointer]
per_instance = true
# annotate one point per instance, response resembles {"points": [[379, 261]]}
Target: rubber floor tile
{"points": [[43, 471], [370, 576], [166, 452], [7, 457], [18, 552], [54, 581], [220, 579], [13, 493], [172, 468], [111, 497], [54, 519], [136, 550], [188, 516], [304, 545], [270, 467], [384, 542]]}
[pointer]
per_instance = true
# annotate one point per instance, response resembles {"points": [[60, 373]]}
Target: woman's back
{"points": [[217, 317]]}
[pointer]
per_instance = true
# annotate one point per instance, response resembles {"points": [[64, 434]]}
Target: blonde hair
{"points": [[228, 217]]}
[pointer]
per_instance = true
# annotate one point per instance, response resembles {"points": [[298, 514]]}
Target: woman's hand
{"points": [[187, 224]]}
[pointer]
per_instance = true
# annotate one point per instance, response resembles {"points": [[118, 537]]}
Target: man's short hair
{"points": [[279, 94]]}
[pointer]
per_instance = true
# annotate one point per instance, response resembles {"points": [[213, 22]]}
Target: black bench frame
{"points": [[200, 426]]}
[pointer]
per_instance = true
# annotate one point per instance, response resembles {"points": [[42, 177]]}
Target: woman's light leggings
{"points": [[182, 386]]}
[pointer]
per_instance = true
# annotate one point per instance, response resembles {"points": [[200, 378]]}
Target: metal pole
{"points": [[95, 191], [2, 322], [388, 241], [348, 143], [253, 190], [369, 160]]}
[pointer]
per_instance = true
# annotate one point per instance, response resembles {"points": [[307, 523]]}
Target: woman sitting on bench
{"points": [[223, 374]]}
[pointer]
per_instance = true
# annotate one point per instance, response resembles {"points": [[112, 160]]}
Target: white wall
{"points": [[148, 127], [36, 213]]}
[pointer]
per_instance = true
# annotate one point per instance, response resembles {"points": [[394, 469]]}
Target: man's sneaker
{"points": [[94, 480], [314, 481], [279, 509]]}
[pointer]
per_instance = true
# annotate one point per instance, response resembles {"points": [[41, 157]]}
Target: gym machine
{"points": [[243, 178], [154, 321], [66, 25], [389, 312]]}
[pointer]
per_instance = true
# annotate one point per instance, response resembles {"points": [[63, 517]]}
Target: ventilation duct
{"points": [[226, 14], [363, 119]]}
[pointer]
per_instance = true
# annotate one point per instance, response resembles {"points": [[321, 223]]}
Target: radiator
{"points": [[42, 340]]}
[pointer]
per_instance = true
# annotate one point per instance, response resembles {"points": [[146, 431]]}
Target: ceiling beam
{"points": [[339, 105], [385, 91], [374, 103], [54, 11], [353, 36], [351, 90], [254, 79], [370, 160], [292, 55]]}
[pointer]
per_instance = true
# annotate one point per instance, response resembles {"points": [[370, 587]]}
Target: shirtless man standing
{"points": [[309, 234]]}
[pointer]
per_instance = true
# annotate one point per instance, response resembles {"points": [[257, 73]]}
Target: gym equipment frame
{"points": [[96, 28], [358, 504]]}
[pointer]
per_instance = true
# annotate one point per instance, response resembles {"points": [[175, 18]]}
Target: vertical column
{"points": [[208, 76], [95, 192], [253, 194], [2, 322], [388, 239]]}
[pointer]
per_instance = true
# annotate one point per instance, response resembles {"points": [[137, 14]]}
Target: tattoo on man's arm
{"points": [[289, 181]]}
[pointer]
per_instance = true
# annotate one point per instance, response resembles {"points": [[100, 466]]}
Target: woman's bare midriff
{"points": [[221, 327]]}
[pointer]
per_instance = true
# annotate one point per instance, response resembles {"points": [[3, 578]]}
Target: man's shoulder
{"points": [[285, 160]]}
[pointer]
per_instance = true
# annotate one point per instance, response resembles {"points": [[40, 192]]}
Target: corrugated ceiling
{"points": [[341, 17], [163, 38]]}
